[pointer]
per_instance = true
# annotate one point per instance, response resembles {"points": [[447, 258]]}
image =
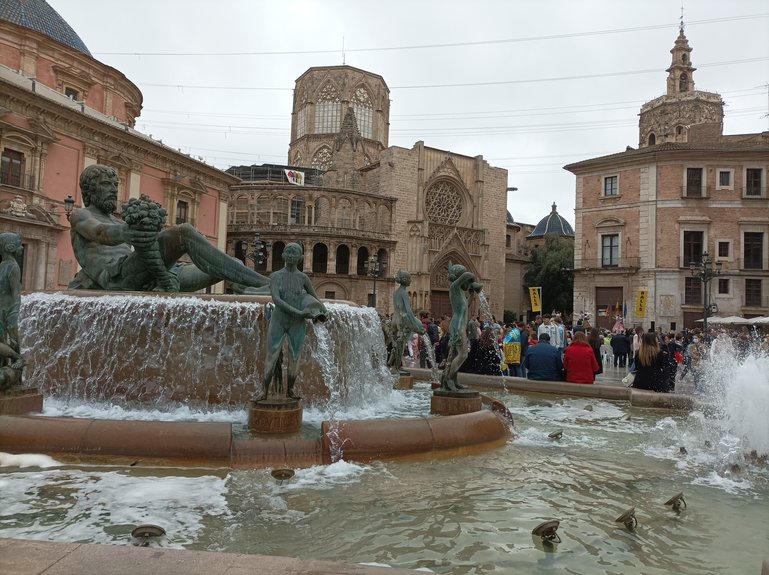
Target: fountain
{"points": [[351, 485]]}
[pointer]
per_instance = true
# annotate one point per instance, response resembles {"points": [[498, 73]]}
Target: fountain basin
{"points": [[209, 444]]}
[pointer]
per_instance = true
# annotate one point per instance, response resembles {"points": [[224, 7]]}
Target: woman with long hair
{"points": [[650, 363]]}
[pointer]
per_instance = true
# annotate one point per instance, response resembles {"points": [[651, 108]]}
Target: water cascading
{"points": [[162, 349]]}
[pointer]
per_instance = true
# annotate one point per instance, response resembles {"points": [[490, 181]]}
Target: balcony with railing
{"points": [[696, 191], [615, 264]]}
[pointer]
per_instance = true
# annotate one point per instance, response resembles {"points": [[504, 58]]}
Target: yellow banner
{"points": [[536, 305], [640, 303]]}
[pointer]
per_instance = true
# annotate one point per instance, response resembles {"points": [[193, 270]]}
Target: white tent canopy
{"points": [[735, 320]]}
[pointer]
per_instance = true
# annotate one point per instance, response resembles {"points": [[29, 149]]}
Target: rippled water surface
{"points": [[461, 515]]}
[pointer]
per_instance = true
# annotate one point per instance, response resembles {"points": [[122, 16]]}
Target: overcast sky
{"points": [[529, 85]]}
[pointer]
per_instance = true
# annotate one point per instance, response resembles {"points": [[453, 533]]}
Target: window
{"points": [[343, 260], [610, 186], [725, 179], [693, 248], [508, 241], [280, 211], [753, 182], [753, 250], [693, 183], [71, 93], [723, 286], [692, 291], [652, 139], [11, 167], [297, 209], [329, 295], [182, 211], [610, 250], [723, 250], [301, 123], [364, 112], [328, 111], [683, 83], [319, 258], [753, 292]]}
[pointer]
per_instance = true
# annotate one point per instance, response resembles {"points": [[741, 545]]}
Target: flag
{"points": [[640, 304], [624, 309], [616, 308], [608, 310], [295, 177], [536, 304]]}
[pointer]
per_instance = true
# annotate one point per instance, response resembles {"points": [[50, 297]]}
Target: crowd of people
{"points": [[546, 349]]}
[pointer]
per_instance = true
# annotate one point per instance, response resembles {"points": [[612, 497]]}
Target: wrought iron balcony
{"points": [[607, 264]]}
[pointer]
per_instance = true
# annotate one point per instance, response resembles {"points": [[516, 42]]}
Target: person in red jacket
{"points": [[579, 361]]}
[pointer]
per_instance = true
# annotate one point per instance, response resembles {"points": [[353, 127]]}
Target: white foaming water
{"points": [[58, 407], [27, 460], [104, 506]]}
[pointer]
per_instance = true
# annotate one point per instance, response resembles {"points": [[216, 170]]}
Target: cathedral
{"points": [[364, 209]]}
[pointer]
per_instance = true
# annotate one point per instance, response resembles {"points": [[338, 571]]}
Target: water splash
{"points": [[434, 371], [160, 350]]}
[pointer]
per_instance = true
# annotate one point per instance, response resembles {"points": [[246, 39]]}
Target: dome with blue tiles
{"points": [[552, 224], [37, 15]]}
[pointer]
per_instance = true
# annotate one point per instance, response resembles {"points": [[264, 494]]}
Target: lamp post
{"points": [[705, 271], [257, 251], [374, 268]]}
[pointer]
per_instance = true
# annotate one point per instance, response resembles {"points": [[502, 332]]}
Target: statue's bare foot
{"points": [[292, 395]]}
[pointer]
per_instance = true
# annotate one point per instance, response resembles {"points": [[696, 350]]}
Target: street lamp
{"points": [[256, 251], [374, 268], [705, 271]]}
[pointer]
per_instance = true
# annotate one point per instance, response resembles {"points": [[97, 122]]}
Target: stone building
{"points": [[61, 110], [365, 205], [644, 214]]}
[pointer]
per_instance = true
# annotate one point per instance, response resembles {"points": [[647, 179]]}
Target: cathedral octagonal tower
{"points": [[340, 121], [668, 118]]}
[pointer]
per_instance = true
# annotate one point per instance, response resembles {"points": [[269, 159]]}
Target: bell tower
{"points": [[670, 118], [681, 71]]}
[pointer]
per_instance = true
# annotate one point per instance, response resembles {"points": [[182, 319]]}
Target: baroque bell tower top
{"points": [[681, 71]]}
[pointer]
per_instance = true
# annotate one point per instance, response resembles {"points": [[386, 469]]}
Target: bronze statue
{"points": [[10, 289], [403, 322], [295, 301], [11, 362], [136, 254], [462, 285]]}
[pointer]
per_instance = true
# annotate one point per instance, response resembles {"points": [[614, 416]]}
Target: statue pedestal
{"points": [[454, 402], [269, 415], [21, 402], [404, 381]]}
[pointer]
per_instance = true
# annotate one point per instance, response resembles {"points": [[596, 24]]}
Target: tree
{"points": [[551, 268]]}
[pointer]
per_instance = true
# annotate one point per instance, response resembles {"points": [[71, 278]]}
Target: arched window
{"points": [[679, 130], [240, 211], [297, 211], [280, 210], [652, 139], [182, 212], [328, 111], [508, 240], [384, 219], [263, 211], [319, 258], [344, 214], [277, 255], [343, 260], [683, 83], [322, 212], [360, 267], [364, 111], [322, 158]]}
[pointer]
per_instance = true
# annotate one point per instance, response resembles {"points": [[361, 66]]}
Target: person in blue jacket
{"points": [[543, 362]]}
